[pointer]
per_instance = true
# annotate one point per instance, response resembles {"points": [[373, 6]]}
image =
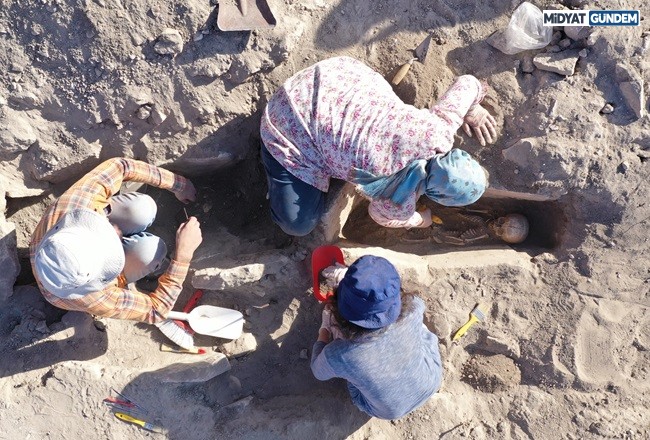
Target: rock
{"points": [[546, 257], [158, 115], [564, 43], [247, 65], [213, 67], [16, 180], [41, 327], [143, 112], [170, 42], [193, 371], [177, 121], [8, 253], [577, 32], [623, 167], [592, 38], [16, 132], [16, 67], [265, 54], [312, 5], [304, 354], [520, 152], [583, 53], [64, 157], [246, 343], [634, 96], [502, 344], [563, 63], [25, 100], [555, 39], [244, 269], [238, 406], [607, 109], [527, 65]]}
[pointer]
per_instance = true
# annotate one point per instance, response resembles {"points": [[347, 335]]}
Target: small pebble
{"points": [[527, 65], [304, 353], [564, 43], [143, 112], [557, 36], [41, 327], [624, 167], [607, 109], [99, 325], [583, 53]]}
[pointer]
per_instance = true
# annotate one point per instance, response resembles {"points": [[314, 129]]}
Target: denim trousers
{"points": [[144, 252], [296, 206]]}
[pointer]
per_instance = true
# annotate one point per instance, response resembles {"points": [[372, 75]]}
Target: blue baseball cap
{"points": [[369, 294]]}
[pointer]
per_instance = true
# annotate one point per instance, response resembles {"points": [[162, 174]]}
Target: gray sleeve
{"points": [[319, 365]]}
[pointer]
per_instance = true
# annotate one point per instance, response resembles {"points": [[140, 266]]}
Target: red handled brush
{"points": [[180, 332]]}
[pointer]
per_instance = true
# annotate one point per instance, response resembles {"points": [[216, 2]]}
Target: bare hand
{"points": [[334, 274], [188, 238], [188, 194], [483, 124]]}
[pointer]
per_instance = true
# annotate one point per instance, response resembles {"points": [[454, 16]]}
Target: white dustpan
{"points": [[213, 321]]}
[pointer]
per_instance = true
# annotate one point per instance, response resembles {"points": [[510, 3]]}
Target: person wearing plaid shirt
{"points": [[91, 244]]}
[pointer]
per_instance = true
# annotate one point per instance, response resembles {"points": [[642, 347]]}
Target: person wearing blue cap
{"points": [[341, 119], [373, 337]]}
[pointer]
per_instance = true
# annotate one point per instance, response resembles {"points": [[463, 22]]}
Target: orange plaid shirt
{"points": [[94, 191]]}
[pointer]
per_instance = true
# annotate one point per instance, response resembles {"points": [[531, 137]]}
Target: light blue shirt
{"points": [[388, 375]]}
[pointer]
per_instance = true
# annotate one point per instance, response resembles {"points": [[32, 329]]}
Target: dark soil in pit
{"points": [[463, 227]]}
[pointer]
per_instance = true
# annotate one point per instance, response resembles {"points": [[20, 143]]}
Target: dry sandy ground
{"points": [[564, 351]]}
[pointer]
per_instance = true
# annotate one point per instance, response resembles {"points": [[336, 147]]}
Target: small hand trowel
{"points": [[420, 55], [244, 15]]}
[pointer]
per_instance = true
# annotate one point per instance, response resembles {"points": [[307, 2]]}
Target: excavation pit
{"points": [[465, 227]]}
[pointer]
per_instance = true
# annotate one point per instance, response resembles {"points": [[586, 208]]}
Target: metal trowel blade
{"points": [[423, 49]]}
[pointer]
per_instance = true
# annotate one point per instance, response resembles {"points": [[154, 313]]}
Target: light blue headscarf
{"points": [[455, 179]]}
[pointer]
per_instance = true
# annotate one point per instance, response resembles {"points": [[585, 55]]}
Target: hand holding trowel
{"points": [[420, 55]]}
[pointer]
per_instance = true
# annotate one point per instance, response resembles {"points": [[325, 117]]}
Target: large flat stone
{"points": [[194, 369], [633, 94], [16, 182], [58, 159], [563, 63], [243, 270], [16, 132], [520, 152]]}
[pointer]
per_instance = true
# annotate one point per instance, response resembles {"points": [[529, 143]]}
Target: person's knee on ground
{"points": [[132, 212], [296, 206], [297, 227], [144, 254]]}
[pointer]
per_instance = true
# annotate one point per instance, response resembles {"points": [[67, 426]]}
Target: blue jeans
{"points": [[296, 206], [144, 252]]}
